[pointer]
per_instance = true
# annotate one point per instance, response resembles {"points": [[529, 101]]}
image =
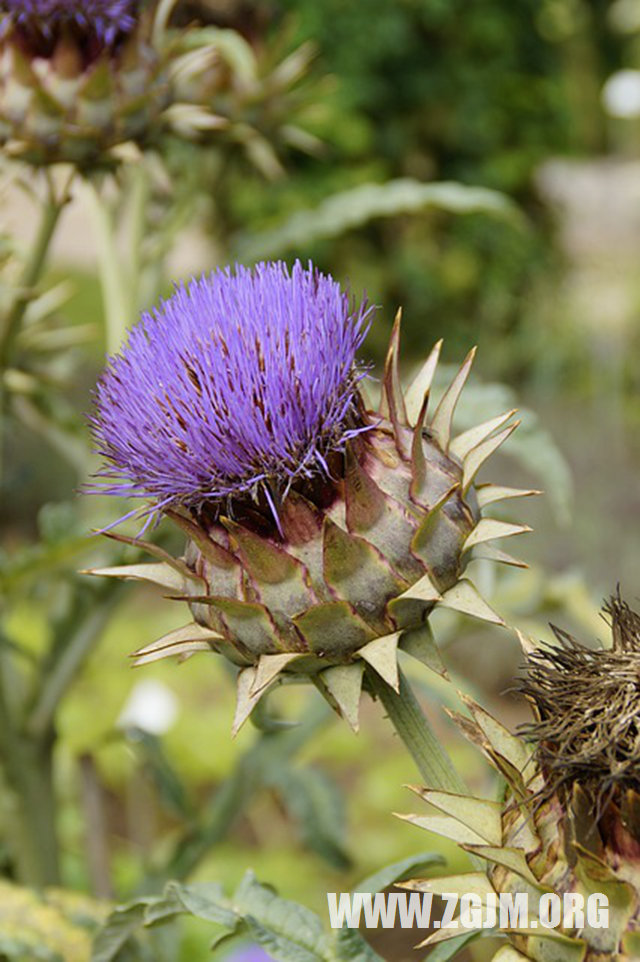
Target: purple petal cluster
{"points": [[243, 379], [104, 19]]}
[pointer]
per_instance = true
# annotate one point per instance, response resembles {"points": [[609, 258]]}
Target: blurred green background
{"points": [[538, 100]]}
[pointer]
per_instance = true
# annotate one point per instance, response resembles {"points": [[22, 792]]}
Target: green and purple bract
{"points": [[104, 19], [242, 381]]}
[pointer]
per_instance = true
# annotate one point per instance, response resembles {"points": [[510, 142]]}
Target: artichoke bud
{"points": [[569, 824], [77, 79], [329, 549]]}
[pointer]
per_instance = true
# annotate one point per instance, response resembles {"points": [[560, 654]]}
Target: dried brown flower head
{"points": [[587, 707]]}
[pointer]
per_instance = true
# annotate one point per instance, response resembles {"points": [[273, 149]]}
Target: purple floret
{"points": [[104, 19], [242, 380]]}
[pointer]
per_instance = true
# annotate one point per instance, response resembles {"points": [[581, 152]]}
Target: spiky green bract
{"points": [[569, 824], [346, 570]]}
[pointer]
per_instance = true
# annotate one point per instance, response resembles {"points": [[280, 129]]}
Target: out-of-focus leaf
{"points": [[47, 303], [352, 208], [121, 925], [58, 521], [204, 900], [316, 804], [290, 932], [397, 871], [171, 790], [67, 443], [269, 754], [229, 45]]}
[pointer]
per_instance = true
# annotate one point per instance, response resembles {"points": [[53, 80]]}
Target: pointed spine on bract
{"points": [[348, 571], [568, 826]]}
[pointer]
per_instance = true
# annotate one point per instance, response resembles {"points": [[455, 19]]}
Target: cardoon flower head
{"points": [[320, 535], [243, 381], [80, 78]]}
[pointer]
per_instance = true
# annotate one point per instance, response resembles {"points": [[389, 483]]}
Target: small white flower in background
{"points": [[621, 94], [624, 16], [151, 707]]}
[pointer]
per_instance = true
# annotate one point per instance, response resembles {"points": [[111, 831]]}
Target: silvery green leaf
{"points": [[290, 923], [350, 946], [121, 925], [352, 208]]}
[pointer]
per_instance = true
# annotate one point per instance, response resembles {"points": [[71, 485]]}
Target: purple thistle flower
{"points": [[242, 381], [106, 20]]}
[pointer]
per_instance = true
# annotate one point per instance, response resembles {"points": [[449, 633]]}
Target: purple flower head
{"points": [[242, 381], [102, 20]]}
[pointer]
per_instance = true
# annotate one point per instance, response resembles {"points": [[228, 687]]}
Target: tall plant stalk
{"points": [[27, 764], [53, 206]]}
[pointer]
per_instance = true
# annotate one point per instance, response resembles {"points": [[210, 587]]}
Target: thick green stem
{"points": [[10, 324], [28, 773], [410, 723], [113, 276]]}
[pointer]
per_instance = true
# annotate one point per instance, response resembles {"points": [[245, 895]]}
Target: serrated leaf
{"points": [[206, 900], [291, 932], [280, 947], [352, 208], [350, 946], [117, 930]]}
